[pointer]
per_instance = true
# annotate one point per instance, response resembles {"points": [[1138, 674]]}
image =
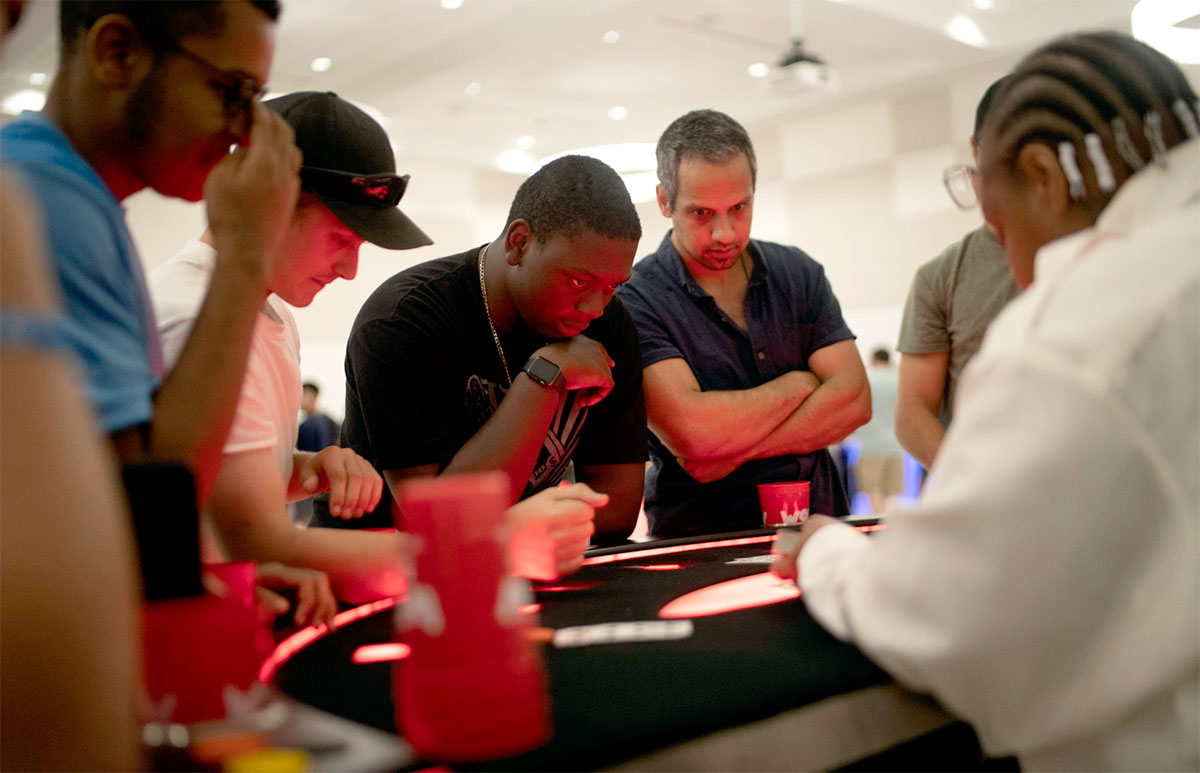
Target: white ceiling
{"points": [[545, 71]]}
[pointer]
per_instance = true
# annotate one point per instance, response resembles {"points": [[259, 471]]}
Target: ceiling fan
{"points": [[796, 68]]}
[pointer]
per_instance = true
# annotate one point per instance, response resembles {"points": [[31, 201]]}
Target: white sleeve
{"points": [[1046, 585]]}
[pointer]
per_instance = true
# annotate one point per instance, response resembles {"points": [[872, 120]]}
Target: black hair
{"points": [[881, 354], [310, 386], [707, 134], [985, 104], [163, 21], [1078, 85], [575, 192]]}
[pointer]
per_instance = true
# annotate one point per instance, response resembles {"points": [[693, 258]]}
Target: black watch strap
{"points": [[544, 372]]}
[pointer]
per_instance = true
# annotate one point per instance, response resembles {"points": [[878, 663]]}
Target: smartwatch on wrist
{"points": [[544, 372]]}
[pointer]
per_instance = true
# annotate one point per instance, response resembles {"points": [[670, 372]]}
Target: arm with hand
{"points": [[251, 523], [623, 484], [513, 437], [832, 411], [251, 196], [353, 485], [703, 425], [918, 398]]}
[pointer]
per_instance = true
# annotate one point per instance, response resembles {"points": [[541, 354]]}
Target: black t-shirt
{"points": [[423, 375]]}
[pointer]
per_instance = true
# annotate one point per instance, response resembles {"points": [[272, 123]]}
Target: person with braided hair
{"points": [[1047, 586]]}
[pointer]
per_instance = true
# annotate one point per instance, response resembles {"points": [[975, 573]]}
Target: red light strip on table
{"points": [[381, 653], [648, 552], [306, 636], [612, 558]]}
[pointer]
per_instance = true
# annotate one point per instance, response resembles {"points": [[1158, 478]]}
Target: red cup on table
{"points": [[194, 647], [784, 504], [473, 687]]}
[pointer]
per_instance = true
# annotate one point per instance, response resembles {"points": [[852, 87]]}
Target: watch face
{"points": [[542, 370]]}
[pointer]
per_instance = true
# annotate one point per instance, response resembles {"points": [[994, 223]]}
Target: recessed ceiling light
{"points": [[985, 5], [525, 142], [758, 70], [516, 161], [618, 113], [612, 36], [321, 64], [1160, 24], [965, 30], [25, 99], [473, 89], [450, 5], [37, 78]]}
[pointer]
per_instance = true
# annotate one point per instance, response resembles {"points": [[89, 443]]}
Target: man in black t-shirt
{"points": [[514, 356]]}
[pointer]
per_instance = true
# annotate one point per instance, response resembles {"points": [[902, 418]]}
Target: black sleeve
{"points": [[412, 411], [615, 432]]}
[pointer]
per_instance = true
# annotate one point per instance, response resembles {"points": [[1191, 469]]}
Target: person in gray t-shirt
{"points": [[952, 300]]}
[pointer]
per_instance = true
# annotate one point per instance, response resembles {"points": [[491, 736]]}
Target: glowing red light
{"points": [[648, 552], [381, 653], [566, 585], [529, 609], [306, 636], [743, 593], [661, 567]]}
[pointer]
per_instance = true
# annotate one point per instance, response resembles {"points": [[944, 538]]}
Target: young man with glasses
{"points": [[154, 95], [952, 300]]}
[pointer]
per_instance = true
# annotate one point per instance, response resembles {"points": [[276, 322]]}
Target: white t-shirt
{"points": [[270, 401], [1047, 587]]}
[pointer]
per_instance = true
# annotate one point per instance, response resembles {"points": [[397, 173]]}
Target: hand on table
{"points": [[353, 484], [315, 602], [785, 565], [551, 530]]}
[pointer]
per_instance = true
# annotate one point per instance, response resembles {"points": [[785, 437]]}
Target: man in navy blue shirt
{"points": [[750, 370]]}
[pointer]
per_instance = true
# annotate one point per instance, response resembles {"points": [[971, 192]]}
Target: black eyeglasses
{"points": [[237, 89], [382, 190]]}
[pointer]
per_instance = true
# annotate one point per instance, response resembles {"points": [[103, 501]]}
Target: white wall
{"points": [[858, 187]]}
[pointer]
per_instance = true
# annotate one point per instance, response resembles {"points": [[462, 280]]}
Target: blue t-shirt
{"points": [[791, 312], [111, 322]]}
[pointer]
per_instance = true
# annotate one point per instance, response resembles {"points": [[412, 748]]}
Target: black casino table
{"points": [[684, 654]]}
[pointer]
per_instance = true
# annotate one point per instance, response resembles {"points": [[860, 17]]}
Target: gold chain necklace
{"points": [[488, 311]]}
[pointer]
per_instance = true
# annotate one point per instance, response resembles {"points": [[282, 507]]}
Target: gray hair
{"points": [[706, 134]]}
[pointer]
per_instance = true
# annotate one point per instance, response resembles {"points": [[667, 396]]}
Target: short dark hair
{"points": [[707, 134], [881, 354], [985, 105], [575, 192], [311, 387], [164, 21]]}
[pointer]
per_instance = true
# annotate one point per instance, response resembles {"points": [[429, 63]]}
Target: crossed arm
{"points": [[713, 433]]}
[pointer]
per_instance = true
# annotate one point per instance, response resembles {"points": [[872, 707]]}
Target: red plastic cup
{"points": [[194, 647], [472, 687], [784, 504]]}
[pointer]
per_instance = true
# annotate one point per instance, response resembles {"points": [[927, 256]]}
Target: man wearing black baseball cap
{"points": [[349, 194]]}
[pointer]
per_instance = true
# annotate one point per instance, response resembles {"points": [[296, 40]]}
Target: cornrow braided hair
{"points": [[1080, 85]]}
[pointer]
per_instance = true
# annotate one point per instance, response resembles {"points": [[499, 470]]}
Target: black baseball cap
{"points": [[349, 166]]}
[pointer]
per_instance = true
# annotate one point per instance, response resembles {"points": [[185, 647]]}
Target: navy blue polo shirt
{"points": [[790, 312]]}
